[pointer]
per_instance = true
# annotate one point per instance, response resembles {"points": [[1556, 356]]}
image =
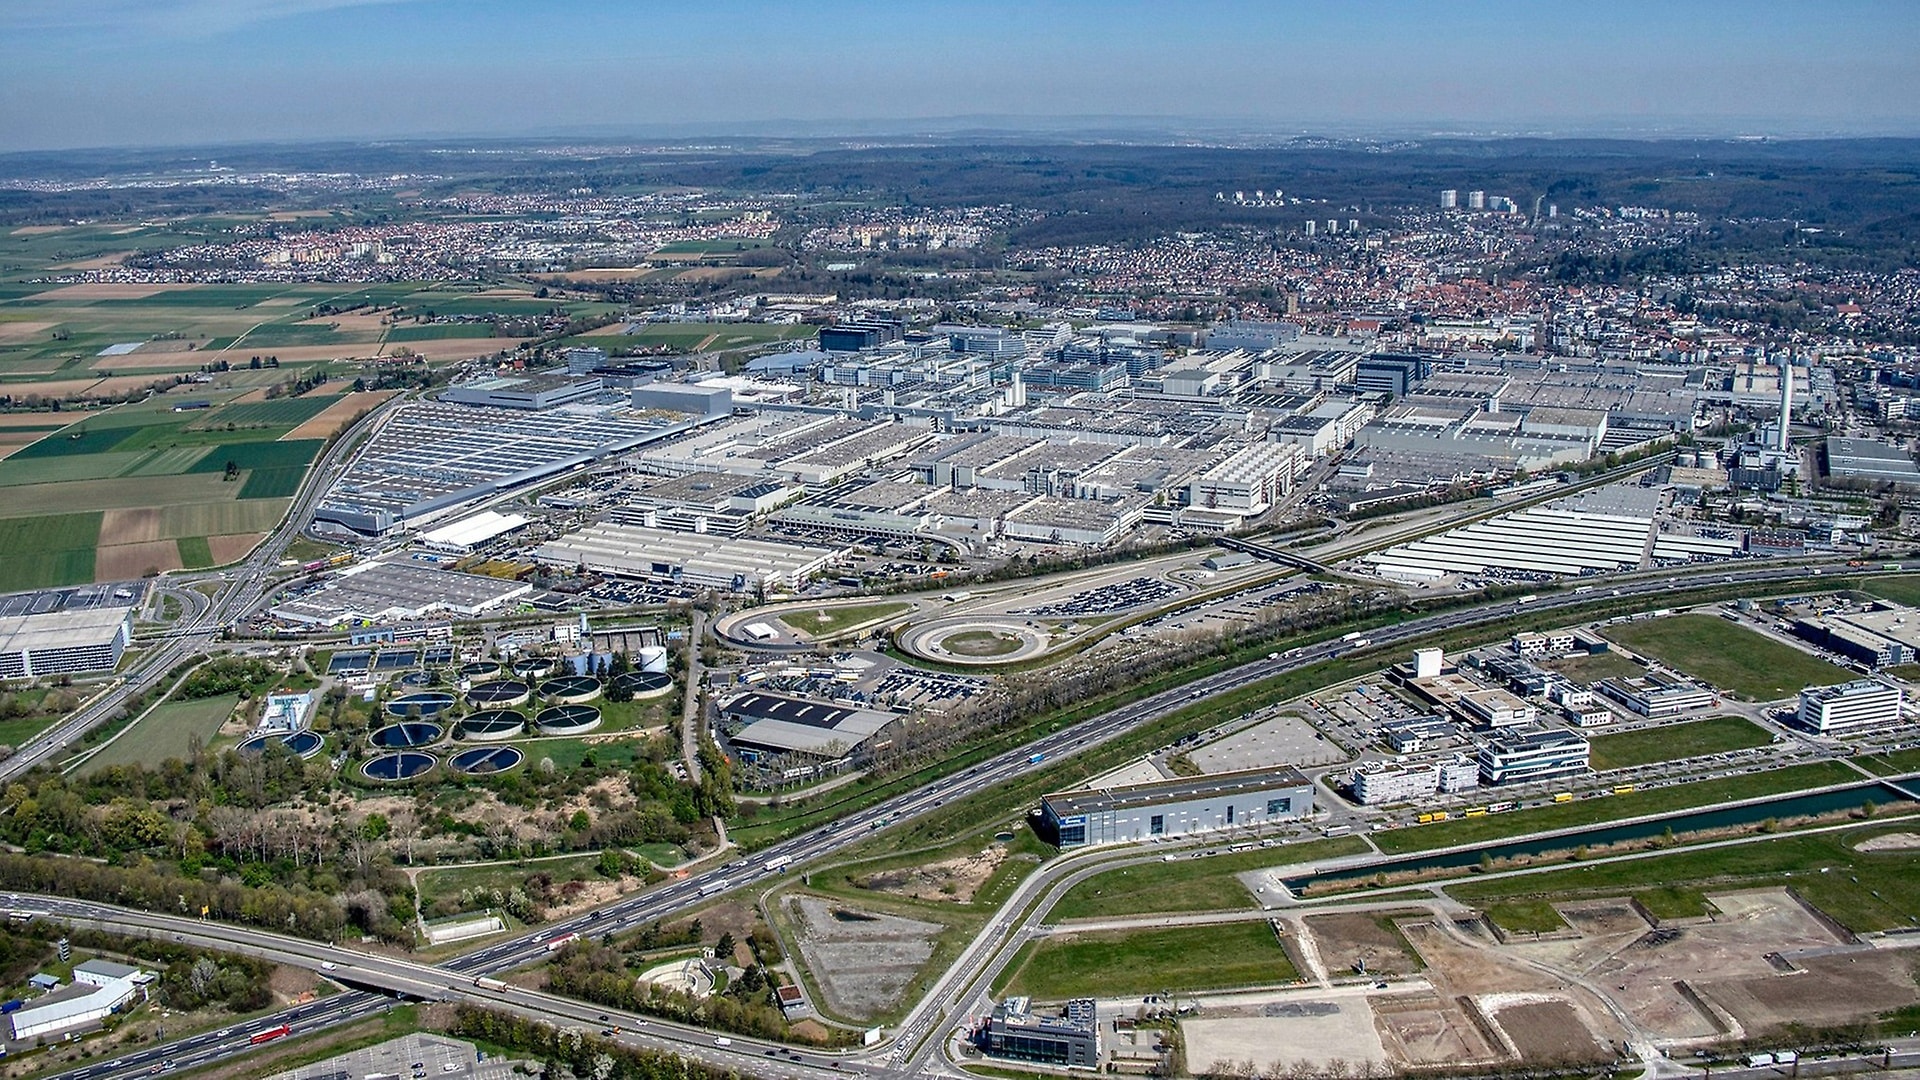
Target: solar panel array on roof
{"points": [[792, 710]]}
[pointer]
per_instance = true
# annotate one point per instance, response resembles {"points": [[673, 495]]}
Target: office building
{"points": [[1379, 782], [1177, 807], [1449, 199], [857, 334], [63, 642], [1427, 663], [1476, 200], [1393, 374], [1657, 694], [1859, 705], [1515, 757], [1070, 1039]]}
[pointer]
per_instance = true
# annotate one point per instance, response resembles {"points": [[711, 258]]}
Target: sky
{"points": [[90, 73]]}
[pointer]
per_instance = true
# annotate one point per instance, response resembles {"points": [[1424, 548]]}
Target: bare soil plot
{"points": [[39, 230], [1650, 977], [41, 421], [1548, 1032], [1604, 918], [1827, 990], [954, 880], [22, 330], [1351, 939], [335, 416], [232, 548], [52, 388], [121, 561], [1283, 1033], [354, 322], [861, 961], [451, 348], [97, 262], [1426, 1029], [130, 525], [145, 361]]}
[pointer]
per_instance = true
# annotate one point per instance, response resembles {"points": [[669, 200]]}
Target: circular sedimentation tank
{"points": [[567, 720], [425, 704], [493, 725], [405, 735], [304, 743], [499, 695], [480, 670], [486, 760], [570, 689], [533, 667], [398, 765], [644, 683], [416, 678]]}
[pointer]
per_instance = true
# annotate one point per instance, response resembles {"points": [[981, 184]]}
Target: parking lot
{"points": [[410, 1057], [1107, 599]]}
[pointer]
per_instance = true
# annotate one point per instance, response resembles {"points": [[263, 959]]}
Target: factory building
{"points": [[1177, 807], [1249, 482], [397, 592], [98, 989], [1511, 758], [1071, 1039], [524, 391], [1379, 782], [684, 397], [63, 642], [774, 724], [1849, 707], [701, 559]]}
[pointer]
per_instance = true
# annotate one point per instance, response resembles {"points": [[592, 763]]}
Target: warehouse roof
{"points": [[1182, 789]]}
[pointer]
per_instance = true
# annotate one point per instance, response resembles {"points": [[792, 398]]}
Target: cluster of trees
{"points": [[227, 674], [572, 1052], [603, 975], [142, 883]]}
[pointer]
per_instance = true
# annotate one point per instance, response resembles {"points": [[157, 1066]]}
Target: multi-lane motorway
{"points": [[914, 1048]]}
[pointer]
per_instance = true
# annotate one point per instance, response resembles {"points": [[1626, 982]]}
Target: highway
{"points": [[911, 1051]]}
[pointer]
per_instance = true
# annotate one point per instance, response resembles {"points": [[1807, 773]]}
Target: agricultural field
{"points": [[1674, 742], [1177, 959], [169, 731], [1727, 656], [140, 488]]}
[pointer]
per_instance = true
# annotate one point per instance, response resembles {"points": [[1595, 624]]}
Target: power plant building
{"points": [[1177, 807]]}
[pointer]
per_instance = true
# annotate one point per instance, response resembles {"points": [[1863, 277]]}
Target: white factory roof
{"points": [[477, 529], [60, 629]]}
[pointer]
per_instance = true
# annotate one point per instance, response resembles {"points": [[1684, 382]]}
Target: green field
{"points": [[272, 483], [1897, 763], [259, 455], [1903, 590], [169, 731], [1674, 742], [1591, 669], [286, 412], [1823, 867], [195, 554], [453, 880], [1185, 884], [1733, 658], [276, 335], [1613, 808], [55, 549], [1178, 959], [711, 247], [1526, 916], [827, 621]]}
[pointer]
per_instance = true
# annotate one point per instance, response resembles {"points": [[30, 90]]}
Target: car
{"points": [[328, 965], [603, 1016]]}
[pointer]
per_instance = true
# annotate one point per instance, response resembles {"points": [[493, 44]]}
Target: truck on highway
{"points": [[1036, 759], [714, 886], [1759, 1061], [778, 862], [269, 1034], [562, 942], [1353, 636], [1525, 600], [485, 983]]}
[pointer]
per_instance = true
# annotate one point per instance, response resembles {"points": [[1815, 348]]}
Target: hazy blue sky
{"points": [[111, 72]]}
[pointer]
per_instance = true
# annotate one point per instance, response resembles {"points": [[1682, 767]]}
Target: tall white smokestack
{"points": [[1786, 399]]}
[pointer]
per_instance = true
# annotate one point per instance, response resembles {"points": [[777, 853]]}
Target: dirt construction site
{"points": [[1441, 988]]}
